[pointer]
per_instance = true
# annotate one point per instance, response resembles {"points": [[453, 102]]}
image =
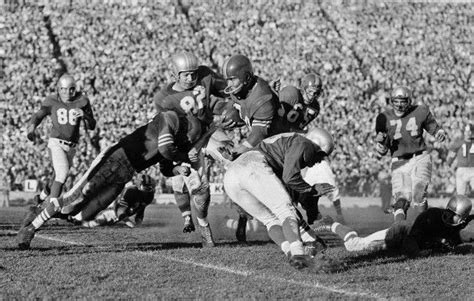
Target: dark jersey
{"points": [[259, 111], [464, 152], [162, 139], [429, 230], [65, 125], [405, 133], [288, 154], [294, 110], [201, 101]]}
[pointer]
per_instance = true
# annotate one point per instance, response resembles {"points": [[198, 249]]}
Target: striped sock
{"points": [[45, 215]]}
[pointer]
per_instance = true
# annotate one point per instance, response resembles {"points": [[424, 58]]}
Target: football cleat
{"points": [[323, 224], [240, 233], [312, 248], [32, 213], [206, 236], [188, 225], [300, 261], [25, 236]]}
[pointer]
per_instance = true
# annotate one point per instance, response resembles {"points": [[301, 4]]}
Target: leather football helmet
{"points": [[66, 88], [400, 99], [188, 63], [457, 210], [311, 87], [322, 138], [238, 72], [147, 183]]}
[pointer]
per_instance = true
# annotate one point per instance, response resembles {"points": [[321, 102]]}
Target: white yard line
{"points": [[240, 272]]}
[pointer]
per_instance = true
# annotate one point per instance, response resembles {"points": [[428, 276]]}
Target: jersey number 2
{"points": [[411, 127]]}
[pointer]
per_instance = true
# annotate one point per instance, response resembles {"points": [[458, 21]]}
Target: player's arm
{"points": [[89, 116], [262, 120], [37, 118], [166, 141], [456, 145], [381, 139], [157, 100], [297, 157], [433, 128]]}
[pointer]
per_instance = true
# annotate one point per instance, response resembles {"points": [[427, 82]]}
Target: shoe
{"points": [[24, 237], [32, 213], [206, 235], [188, 224], [240, 233], [323, 224], [300, 261], [312, 248]]}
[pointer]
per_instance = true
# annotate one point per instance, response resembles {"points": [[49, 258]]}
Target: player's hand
{"points": [[77, 112], [322, 189], [276, 85], [31, 135], [381, 149], [440, 135], [222, 122], [381, 137], [227, 153], [181, 170], [193, 155]]}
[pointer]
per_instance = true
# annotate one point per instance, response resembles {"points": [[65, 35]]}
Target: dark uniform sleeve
{"points": [[157, 101], [430, 124], [262, 119], [381, 123], [166, 140], [166, 168], [297, 157], [89, 115], [44, 111]]}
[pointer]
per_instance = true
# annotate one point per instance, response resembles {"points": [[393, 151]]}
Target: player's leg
{"points": [[421, 178], [462, 180], [100, 201], [183, 200], [61, 156], [241, 197], [401, 189]]}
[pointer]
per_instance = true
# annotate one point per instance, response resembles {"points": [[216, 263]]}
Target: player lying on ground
{"points": [[258, 181], [165, 140], [132, 202], [433, 229]]}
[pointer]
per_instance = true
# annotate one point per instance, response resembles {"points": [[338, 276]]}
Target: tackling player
{"points": [[463, 150], [433, 229], [132, 201], [196, 90], [165, 139], [400, 130], [258, 181], [300, 107], [67, 109]]}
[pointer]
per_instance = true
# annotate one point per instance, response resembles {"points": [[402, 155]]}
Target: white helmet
{"points": [[322, 138]]}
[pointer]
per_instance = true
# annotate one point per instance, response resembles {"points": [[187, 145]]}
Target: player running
{"points": [[400, 130]]}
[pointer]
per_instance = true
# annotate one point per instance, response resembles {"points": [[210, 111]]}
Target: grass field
{"points": [[156, 260]]}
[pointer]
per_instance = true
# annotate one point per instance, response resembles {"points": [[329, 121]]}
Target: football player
{"points": [[400, 130], [132, 201], [257, 106], [463, 150], [300, 107], [433, 229], [67, 109], [165, 139], [196, 90], [258, 181]]}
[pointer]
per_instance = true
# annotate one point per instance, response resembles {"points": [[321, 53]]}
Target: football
{"points": [[231, 112]]}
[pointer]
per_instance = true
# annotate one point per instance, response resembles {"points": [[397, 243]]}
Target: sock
{"points": [[285, 247], [56, 189], [43, 195], [203, 222], [399, 215], [343, 231], [291, 229], [337, 206], [46, 214]]}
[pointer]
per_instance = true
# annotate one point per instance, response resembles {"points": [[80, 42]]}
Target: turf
{"points": [[157, 260]]}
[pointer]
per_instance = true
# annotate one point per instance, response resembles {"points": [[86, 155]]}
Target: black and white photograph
{"points": [[236, 150]]}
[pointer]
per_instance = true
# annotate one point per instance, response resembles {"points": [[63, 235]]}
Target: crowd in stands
{"points": [[119, 54]]}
